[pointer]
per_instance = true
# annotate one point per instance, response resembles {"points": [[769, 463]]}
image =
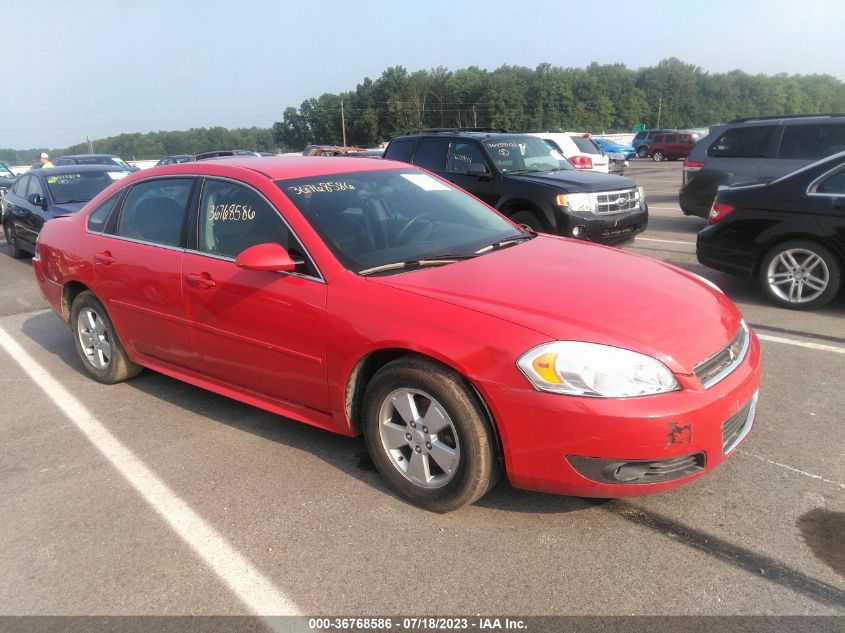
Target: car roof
{"points": [[278, 167], [87, 156]]}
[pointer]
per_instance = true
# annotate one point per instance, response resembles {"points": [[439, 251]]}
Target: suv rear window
{"points": [[585, 145], [812, 141], [743, 142], [400, 150]]}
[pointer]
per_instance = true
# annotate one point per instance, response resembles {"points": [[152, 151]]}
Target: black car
{"points": [[44, 194], [7, 177], [789, 233], [93, 159], [529, 181]]}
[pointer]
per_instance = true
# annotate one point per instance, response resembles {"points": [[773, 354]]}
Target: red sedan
{"points": [[371, 297]]}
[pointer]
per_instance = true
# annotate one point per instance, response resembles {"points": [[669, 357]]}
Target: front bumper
{"points": [[565, 445], [605, 229]]}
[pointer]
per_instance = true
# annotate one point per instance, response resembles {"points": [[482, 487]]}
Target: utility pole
{"points": [[343, 123], [659, 108]]}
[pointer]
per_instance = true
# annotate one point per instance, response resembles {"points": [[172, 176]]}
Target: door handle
{"points": [[202, 280], [104, 258]]}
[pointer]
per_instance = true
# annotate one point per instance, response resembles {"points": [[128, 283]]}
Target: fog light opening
{"points": [[579, 231]]}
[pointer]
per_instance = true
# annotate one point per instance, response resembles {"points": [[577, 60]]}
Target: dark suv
{"points": [[756, 149], [529, 181]]}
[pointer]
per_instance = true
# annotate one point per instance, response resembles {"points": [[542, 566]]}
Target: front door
{"points": [[259, 330]]}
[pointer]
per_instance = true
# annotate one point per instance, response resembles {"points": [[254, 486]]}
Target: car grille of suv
{"points": [[723, 362], [617, 201], [736, 427]]}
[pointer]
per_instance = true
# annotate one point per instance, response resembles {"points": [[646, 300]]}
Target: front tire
{"points": [[97, 343], [657, 156], [428, 436], [800, 275], [529, 219]]}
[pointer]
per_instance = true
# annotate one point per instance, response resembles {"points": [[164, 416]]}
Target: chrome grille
{"points": [[617, 201], [723, 362], [736, 427]]}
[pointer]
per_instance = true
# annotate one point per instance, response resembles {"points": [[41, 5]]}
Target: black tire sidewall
{"points": [[833, 266], [474, 435], [120, 367], [529, 219]]}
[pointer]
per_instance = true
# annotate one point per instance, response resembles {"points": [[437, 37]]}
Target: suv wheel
{"points": [[642, 151], [800, 274], [657, 156], [529, 219]]}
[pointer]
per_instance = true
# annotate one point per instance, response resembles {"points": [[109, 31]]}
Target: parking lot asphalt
{"points": [[155, 497]]}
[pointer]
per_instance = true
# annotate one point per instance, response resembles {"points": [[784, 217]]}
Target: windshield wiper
{"points": [[505, 243], [437, 260]]}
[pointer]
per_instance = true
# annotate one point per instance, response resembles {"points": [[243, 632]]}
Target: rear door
{"points": [[737, 154], [263, 331], [138, 263], [802, 144]]}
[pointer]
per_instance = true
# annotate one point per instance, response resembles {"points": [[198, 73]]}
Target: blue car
{"points": [[612, 146], [43, 194]]}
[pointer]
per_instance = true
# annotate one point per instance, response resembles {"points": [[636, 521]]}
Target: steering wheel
{"points": [[405, 231]]}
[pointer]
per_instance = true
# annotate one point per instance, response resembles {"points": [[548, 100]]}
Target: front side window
{"points": [[834, 186], [19, 188], [35, 186], [462, 155], [232, 218], [743, 142], [378, 217], [812, 141], [154, 211], [657, 139], [525, 153]]}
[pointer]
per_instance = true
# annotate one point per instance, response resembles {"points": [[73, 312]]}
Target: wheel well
{"points": [[514, 206], [70, 291], [764, 250], [366, 368]]}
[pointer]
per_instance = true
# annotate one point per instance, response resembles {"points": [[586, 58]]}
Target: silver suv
{"points": [[756, 149]]}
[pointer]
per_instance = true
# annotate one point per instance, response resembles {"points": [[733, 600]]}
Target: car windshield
{"points": [[82, 186], [525, 153], [5, 172], [380, 217]]}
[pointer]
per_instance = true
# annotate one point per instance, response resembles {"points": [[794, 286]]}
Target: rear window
{"points": [[81, 187], [743, 142], [585, 145], [812, 141]]}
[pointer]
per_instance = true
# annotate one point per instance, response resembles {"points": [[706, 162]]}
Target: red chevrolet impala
{"points": [[365, 296]]}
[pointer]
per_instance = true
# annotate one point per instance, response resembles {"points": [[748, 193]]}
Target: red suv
{"points": [[672, 145]]}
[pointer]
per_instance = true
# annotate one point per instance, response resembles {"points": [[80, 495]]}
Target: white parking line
{"points": [[654, 239], [792, 468], [789, 341], [252, 587]]}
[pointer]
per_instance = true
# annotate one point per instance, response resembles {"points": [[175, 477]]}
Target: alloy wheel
{"points": [[94, 338], [798, 275]]}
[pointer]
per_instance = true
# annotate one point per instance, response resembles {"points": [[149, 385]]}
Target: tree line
{"points": [[598, 98]]}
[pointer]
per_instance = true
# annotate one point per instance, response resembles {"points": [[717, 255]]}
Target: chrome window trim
{"points": [[737, 361], [123, 238], [811, 188], [320, 278]]}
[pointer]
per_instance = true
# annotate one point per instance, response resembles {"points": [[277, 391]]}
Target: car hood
{"points": [[66, 208], [571, 290], [574, 180]]}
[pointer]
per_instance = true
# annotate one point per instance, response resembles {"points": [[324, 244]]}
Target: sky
{"points": [[99, 68]]}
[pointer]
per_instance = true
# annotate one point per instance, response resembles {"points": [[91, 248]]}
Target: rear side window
{"points": [[400, 150], [97, 219], [658, 138], [743, 142], [431, 155], [835, 185], [154, 211], [812, 141]]}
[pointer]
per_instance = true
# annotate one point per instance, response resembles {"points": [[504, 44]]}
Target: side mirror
{"points": [[269, 256], [37, 200], [477, 169]]}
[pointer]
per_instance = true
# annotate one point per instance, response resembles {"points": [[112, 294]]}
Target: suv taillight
{"points": [[692, 165], [718, 211], [581, 162]]}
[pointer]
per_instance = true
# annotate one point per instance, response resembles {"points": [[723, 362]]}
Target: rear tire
{"points": [[800, 275], [97, 343], [428, 436], [12, 241], [642, 151]]}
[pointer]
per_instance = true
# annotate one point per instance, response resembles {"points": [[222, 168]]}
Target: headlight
{"points": [[589, 369], [575, 201]]}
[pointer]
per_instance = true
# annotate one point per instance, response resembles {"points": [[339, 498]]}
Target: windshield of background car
{"points": [[80, 187], [373, 218], [5, 172], [526, 153]]}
